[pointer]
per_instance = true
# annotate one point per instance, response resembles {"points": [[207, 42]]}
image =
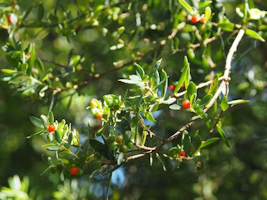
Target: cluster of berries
{"points": [[195, 18], [186, 103]]}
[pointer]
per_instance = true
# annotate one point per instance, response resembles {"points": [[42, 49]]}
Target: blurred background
{"points": [[239, 172]]}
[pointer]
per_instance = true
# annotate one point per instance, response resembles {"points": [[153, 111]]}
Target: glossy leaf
{"points": [[164, 84], [120, 158], [204, 4], [36, 121], [239, 101], [184, 75], [70, 138], [186, 6], [224, 103], [227, 26], [222, 134], [210, 143], [213, 85], [191, 89], [57, 136], [207, 13], [161, 161], [140, 71], [175, 107], [150, 117], [205, 100], [51, 117], [254, 34], [155, 68]]}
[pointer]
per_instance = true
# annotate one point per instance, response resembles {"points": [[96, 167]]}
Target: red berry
{"points": [[182, 153], [186, 104], [182, 86], [194, 19], [8, 20], [51, 128], [172, 87], [74, 170], [202, 20], [99, 115]]}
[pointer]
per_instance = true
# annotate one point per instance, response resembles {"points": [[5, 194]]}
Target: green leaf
{"points": [[40, 12], [53, 148], [207, 14], [164, 85], [213, 85], [239, 101], [154, 107], [120, 158], [254, 34], [155, 81], [140, 71], [184, 75], [222, 134], [40, 66], [169, 101], [51, 117], [224, 103], [186, 6], [99, 147], [210, 143], [70, 138], [197, 143], [227, 26], [9, 71], [161, 161], [191, 90], [36, 121], [134, 82], [57, 136], [35, 134], [26, 13], [150, 117], [204, 4], [175, 107], [155, 68], [32, 53], [44, 120], [205, 100], [45, 75], [125, 125]]}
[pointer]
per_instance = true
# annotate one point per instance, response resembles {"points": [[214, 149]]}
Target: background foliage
{"points": [[88, 53]]}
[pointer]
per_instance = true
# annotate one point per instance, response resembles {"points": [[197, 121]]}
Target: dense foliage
{"points": [[133, 99]]}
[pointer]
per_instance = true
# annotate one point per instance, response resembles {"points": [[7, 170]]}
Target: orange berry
{"points": [[28, 56], [202, 20], [194, 19], [99, 115], [118, 139], [74, 170], [186, 104], [172, 87], [51, 128], [182, 153]]}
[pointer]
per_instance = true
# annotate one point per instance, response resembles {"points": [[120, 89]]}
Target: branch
{"points": [[227, 70], [225, 78]]}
